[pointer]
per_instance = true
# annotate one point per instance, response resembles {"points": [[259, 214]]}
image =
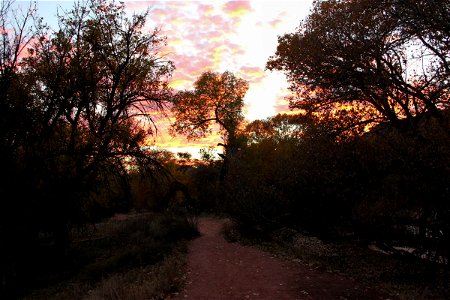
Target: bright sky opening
{"points": [[236, 36]]}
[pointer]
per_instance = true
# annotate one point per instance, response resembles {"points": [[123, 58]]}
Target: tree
{"points": [[75, 113], [429, 22], [216, 99], [358, 61], [96, 82], [283, 128], [16, 33]]}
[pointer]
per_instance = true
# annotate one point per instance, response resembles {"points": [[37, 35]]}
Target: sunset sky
{"points": [[238, 36]]}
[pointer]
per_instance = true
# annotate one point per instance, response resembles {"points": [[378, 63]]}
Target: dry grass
{"points": [[140, 257], [154, 282], [151, 282]]}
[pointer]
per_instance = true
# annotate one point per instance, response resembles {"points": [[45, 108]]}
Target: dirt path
{"points": [[221, 270]]}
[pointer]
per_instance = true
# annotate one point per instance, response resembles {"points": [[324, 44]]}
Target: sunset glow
{"points": [[236, 36]]}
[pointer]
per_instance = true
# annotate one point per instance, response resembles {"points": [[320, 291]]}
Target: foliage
{"points": [[130, 247], [74, 111], [367, 157], [389, 185], [202, 181], [207, 154], [364, 62], [184, 156], [216, 99], [352, 65], [284, 177], [150, 183], [186, 184]]}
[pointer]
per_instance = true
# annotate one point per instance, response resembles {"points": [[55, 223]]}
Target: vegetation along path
{"points": [[221, 270]]}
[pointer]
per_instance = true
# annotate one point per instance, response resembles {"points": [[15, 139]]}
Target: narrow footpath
{"points": [[221, 270]]}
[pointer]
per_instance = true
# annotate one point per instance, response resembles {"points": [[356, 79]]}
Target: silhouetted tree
{"points": [[368, 61], [75, 112], [94, 82], [286, 175], [428, 21], [217, 99]]}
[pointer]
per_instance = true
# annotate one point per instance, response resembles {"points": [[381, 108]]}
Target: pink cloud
{"points": [[199, 44], [198, 33], [282, 103], [199, 38], [252, 74], [274, 23], [137, 6], [205, 9], [278, 20], [237, 8]]}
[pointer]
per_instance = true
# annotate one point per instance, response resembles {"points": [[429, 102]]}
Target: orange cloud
{"points": [[282, 103], [252, 74], [179, 143]]}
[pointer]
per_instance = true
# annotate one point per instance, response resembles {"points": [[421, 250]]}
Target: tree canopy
{"points": [[368, 61], [75, 109], [216, 99]]}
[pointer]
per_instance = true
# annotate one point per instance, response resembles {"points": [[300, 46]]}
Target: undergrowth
{"points": [[140, 256]]}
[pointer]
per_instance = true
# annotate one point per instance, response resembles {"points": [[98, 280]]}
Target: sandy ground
{"points": [[221, 270]]}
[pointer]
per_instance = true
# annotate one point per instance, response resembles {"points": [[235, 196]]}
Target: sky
{"points": [[217, 35]]}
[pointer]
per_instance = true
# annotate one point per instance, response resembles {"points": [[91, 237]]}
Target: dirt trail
{"points": [[221, 270]]}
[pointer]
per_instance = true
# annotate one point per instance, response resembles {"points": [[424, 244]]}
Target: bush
{"points": [[390, 185], [115, 247]]}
